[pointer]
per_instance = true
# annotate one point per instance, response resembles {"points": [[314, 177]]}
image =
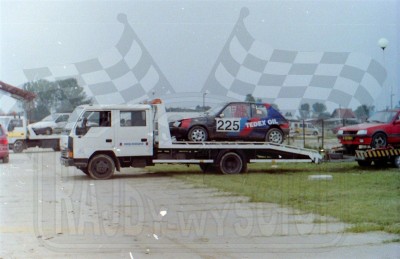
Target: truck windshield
{"points": [[5, 122], [72, 120]]}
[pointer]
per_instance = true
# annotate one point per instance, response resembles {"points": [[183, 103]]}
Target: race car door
{"points": [[230, 123]]}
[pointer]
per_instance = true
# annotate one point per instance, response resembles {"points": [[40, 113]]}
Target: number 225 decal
{"points": [[228, 125]]}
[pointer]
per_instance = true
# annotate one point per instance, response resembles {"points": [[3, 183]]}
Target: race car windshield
{"points": [[384, 116], [216, 109]]}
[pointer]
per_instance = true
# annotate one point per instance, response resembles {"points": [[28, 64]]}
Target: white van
{"points": [[309, 128]]}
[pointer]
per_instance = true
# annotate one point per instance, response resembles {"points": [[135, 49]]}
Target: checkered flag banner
{"points": [[125, 74], [291, 78]]}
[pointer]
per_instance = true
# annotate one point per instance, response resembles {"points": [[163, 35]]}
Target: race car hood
{"points": [[363, 126], [195, 120]]}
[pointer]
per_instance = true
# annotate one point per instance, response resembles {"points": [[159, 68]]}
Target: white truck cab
{"points": [[123, 130]]}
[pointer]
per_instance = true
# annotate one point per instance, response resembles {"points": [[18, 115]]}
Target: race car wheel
{"points": [[231, 163], [198, 133], [275, 136], [379, 140], [101, 167]]}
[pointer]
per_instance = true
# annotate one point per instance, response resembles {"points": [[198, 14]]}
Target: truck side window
{"points": [[132, 118], [105, 119], [93, 119]]}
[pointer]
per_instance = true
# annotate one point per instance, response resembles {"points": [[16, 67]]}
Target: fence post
{"points": [[304, 135], [323, 133]]}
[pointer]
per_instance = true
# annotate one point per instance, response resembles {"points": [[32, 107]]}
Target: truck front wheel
{"points": [[101, 167], [231, 163], [18, 146]]}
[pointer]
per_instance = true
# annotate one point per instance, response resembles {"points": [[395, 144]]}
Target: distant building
{"points": [[343, 114]]}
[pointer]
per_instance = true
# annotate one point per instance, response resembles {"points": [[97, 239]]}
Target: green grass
{"points": [[369, 198]]}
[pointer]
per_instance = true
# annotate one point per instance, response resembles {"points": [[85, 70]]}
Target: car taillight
{"points": [[4, 141]]}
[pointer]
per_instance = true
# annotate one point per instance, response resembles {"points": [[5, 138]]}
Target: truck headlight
{"points": [[362, 132]]}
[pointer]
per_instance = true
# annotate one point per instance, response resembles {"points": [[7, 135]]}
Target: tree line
{"points": [[58, 96]]}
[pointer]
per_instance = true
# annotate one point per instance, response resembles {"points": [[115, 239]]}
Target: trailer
{"points": [[21, 135], [100, 140], [378, 156]]}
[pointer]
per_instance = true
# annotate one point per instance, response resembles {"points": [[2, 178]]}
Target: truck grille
{"points": [[64, 153]]}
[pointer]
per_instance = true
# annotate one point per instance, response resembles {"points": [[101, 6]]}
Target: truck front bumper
{"points": [[80, 163], [67, 161]]}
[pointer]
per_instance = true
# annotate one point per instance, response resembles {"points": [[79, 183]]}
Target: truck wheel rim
{"points": [[101, 167]]}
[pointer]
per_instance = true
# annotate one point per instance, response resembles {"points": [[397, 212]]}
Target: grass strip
{"points": [[368, 198]]}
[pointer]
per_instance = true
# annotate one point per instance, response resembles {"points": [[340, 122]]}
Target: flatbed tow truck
{"points": [[21, 136], [100, 140]]}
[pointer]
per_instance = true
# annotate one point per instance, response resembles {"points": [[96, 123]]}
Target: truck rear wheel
{"points": [[18, 146], [231, 163], [101, 167]]}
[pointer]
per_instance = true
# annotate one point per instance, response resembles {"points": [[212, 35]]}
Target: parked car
{"points": [[4, 153], [380, 130], [52, 124], [298, 127], [234, 121]]}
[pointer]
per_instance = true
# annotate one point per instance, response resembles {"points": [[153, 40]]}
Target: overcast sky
{"points": [[186, 37]]}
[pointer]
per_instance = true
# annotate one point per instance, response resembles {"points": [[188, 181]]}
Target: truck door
{"points": [[16, 130], [94, 133], [134, 134]]}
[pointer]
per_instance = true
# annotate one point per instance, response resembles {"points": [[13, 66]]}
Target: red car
{"points": [[4, 154], [380, 130]]}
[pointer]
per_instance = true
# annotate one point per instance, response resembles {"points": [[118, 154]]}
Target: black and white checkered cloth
{"points": [[125, 74], [291, 78]]}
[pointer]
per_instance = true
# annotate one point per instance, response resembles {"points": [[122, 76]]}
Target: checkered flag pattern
{"points": [[291, 78], [125, 74]]}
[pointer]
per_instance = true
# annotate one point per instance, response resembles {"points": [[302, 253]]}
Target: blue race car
{"points": [[244, 121]]}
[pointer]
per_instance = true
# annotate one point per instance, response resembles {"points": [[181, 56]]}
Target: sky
{"points": [[186, 37]]}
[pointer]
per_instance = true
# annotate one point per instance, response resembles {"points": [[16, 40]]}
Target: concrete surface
{"points": [[49, 211]]}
